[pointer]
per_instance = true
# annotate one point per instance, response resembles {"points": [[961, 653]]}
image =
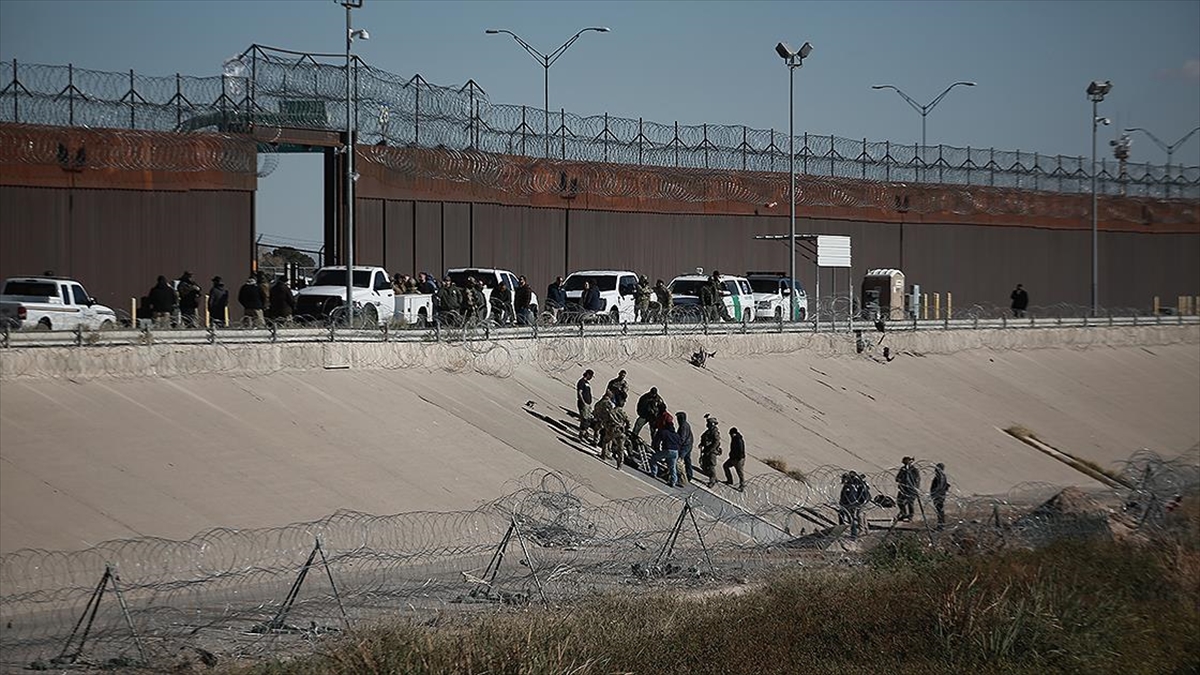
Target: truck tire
{"points": [[614, 317], [778, 314], [422, 318], [107, 325], [44, 324]]}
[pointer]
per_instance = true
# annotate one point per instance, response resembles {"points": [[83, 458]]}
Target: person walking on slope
{"points": [[710, 449], [666, 444], [855, 495], [601, 422], [619, 388], [938, 489], [737, 458], [908, 486], [685, 444], [583, 400], [647, 409]]}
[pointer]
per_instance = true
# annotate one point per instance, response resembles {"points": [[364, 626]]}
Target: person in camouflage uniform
{"points": [[602, 414], [641, 297], [710, 449], [663, 301], [619, 387], [617, 429]]}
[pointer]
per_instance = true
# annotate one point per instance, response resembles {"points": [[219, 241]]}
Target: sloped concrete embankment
{"points": [[102, 443]]}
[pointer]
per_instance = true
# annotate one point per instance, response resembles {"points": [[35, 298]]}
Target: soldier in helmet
{"points": [[710, 449]]}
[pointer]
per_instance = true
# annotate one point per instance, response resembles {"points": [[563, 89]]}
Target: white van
{"points": [[736, 295], [617, 289]]}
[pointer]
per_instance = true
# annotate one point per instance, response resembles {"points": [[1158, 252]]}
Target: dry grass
{"points": [[1078, 607], [782, 467]]}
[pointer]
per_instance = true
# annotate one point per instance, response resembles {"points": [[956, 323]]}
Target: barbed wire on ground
{"points": [[269, 87], [225, 593]]}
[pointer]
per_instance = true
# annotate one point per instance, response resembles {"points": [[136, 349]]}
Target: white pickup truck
{"points": [[52, 303], [374, 299], [491, 278]]}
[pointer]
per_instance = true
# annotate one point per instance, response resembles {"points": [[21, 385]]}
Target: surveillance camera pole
{"points": [[348, 258], [546, 60], [1096, 92]]}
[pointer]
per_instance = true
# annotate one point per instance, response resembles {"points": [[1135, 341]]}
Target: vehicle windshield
{"points": [[605, 282], [39, 289], [362, 278], [687, 286], [765, 285], [460, 278]]}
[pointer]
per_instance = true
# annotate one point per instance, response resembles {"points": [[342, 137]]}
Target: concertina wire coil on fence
{"points": [[226, 591], [272, 87]]}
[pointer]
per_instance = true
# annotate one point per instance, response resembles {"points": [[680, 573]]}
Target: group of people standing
{"points": [[177, 304], [455, 305], [856, 494], [606, 424]]}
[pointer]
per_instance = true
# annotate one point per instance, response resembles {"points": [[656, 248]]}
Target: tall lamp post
{"points": [[546, 60], [923, 109], [1096, 92], [794, 60], [1169, 149], [351, 176]]}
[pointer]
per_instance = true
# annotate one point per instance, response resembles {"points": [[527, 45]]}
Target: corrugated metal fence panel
{"points": [[456, 234], [118, 241], [33, 230], [368, 232], [398, 237], [428, 238], [1134, 268], [528, 241]]}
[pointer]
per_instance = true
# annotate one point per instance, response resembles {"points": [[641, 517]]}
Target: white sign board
{"points": [[833, 250]]}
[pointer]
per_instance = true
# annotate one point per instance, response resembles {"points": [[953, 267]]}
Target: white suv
{"points": [[616, 292], [736, 295], [771, 295]]}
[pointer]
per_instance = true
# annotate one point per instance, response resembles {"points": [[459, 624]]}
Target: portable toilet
{"points": [[883, 294]]}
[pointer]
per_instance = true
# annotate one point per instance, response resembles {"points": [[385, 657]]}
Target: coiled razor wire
{"points": [[220, 592], [273, 88]]}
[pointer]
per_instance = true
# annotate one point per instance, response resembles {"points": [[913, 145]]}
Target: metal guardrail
{"points": [[289, 335]]}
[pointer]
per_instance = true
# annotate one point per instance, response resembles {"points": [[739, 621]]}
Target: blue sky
{"points": [[693, 62]]}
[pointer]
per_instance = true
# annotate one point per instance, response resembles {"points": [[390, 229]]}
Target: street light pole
{"points": [[923, 110], [1096, 91], [351, 177], [546, 60], [1169, 149], [794, 60]]}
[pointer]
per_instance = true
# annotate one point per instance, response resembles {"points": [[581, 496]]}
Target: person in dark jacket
{"points": [[426, 284], [522, 300], [252, 300], [855, 494], [218, 302], [685, 443], [163, 302], [938, 489], [908, 485], [737, 458], [583, 401], [1020, 301], [448, 302], [556, 298], [501, 302], [189, 299], [666, 445], [591, 298], [283, 303], [647, 409]]}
